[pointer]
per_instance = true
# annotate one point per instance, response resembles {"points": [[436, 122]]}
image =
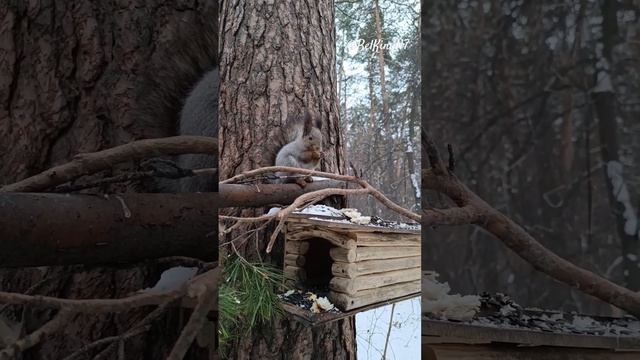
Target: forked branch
{"points": [[314, 196], [471, 209]]}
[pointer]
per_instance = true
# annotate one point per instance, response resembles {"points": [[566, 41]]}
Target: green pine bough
{"points": [[247, 298]]}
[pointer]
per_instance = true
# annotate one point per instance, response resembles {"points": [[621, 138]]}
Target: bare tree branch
{"points": [[206, 302], [91, 305], [314, 196], [273, 169], [476, 211], [91, 163], [348, 178], [110, 305], [454, 216], [202, 288], [256, 195]]}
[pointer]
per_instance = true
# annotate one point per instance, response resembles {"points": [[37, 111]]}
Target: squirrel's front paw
{"points": [[302, 182]]}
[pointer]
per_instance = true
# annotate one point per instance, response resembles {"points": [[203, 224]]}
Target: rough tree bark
{"points": [[278, 59], [68, 75]]}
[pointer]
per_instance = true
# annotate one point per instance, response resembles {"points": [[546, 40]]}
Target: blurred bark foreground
{"points": [[69, 72]]}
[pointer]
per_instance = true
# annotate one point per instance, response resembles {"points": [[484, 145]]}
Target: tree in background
{"points": [[379, 91], [540, 102]]}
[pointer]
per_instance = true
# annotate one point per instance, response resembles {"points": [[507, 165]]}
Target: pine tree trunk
{"points": [[388, 148], [68, 74], [277, 60], [605, 105]]}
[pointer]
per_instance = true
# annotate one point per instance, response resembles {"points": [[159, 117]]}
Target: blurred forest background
{"points": [[541, 102], [379, 94]]}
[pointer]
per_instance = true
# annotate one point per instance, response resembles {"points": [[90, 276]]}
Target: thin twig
{"points": [[36, 337], [273, 169], [206, 302], [386, 343], [145, 322], [108, 341], [312, 196], [452, 158]]}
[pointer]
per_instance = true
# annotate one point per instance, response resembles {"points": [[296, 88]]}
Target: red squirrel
{"points": [[303, 148], [179, 95]]}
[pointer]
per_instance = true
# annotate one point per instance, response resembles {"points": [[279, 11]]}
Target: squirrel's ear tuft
{"points": [[307, 120], [318, 123]]}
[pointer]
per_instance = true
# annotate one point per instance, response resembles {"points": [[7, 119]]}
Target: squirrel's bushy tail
{"points": [[174, 68], [177, 93]]}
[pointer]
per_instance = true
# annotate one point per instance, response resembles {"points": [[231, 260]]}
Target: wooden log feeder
{"points": [[361, 264]]}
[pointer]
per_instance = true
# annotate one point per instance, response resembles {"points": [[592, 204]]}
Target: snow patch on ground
{"points": [[404, 340]]}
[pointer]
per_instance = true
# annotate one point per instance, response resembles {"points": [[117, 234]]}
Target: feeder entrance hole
{"points": [[318, 263]]}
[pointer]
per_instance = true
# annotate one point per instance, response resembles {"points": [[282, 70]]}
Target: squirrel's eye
{"points": [[310, 137]]}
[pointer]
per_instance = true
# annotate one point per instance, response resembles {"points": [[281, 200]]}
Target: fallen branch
{"points": [[348, 178], [91, 163], [313, 196], [471, 209], [39, 229], [97, 229], [257, 195]]}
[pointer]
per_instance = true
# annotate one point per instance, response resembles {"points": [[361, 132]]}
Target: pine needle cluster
{"points": [[247, 298]]}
